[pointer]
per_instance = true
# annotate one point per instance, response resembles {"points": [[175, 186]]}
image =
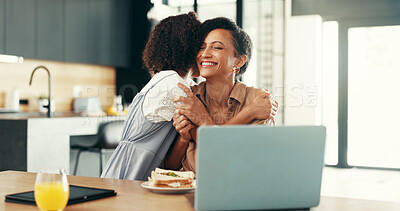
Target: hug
{"points": [[161, 127]]}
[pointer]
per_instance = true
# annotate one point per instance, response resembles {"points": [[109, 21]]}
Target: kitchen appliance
{"points": [[15, 94], [87, 105], [11, 102]]}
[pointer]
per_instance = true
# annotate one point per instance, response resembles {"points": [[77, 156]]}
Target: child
{"points": [[170, 56]]}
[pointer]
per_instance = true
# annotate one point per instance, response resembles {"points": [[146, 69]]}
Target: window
{"points": [[210, 9], [330, 44], [263, 20], [373, 102]]}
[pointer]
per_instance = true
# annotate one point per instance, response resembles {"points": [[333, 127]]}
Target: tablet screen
{"points": [[77, 194]]}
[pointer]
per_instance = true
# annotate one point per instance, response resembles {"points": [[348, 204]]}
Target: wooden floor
{"points": [[356, 183]]}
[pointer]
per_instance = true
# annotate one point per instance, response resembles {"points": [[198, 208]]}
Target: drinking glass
{"points": [[51, 189]]}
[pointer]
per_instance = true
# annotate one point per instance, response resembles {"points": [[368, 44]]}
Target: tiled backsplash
{"points": [[93, 79]]}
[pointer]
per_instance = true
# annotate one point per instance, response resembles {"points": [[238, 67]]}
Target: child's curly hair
{"points": [[173, 44]]}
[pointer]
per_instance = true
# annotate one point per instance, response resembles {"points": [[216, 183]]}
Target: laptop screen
{"points": [[259, 167]]}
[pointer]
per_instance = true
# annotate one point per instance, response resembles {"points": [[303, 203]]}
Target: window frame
{"points": [[344, 26]]}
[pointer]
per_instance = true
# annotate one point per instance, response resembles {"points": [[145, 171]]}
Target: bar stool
{"points": [[108, 136]]}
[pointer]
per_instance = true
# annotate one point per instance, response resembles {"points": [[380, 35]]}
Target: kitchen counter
{"points": [[30, 142], [30, 115]]}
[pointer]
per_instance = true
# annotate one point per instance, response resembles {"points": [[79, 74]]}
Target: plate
{"points": [[167, 190]]}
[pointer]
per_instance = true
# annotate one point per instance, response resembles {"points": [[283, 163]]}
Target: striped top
{"points": [[145, 143]]}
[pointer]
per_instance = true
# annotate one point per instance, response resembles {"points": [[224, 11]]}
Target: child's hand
{"points": [[192, 108], [183, 126], [264, 106]]}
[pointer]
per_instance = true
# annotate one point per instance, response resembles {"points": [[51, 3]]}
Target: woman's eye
{"points": [[218, 48]]}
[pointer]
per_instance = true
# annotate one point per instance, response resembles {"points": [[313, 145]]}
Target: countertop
{"points": [[36, 115], [31, 141]]}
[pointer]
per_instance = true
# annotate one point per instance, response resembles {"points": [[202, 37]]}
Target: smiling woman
{"points": [[221, 99], [218, 54], [223, 34]]}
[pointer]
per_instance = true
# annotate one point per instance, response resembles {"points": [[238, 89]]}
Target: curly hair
{"points": [[241, 40], [173, 44]]}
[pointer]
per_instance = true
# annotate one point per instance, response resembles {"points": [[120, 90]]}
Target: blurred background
{"points": [[328, 62], [333, 63]]}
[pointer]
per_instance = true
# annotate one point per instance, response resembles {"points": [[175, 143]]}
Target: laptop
{"points": [[259, 167]]}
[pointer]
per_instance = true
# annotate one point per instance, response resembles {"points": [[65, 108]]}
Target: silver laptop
{"points": [[259, 167]]}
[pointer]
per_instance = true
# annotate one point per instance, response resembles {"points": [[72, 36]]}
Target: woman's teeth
{"points": [[207, 63]]}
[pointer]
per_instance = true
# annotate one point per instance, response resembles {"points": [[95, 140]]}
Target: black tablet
{"points": [[77, 194]]}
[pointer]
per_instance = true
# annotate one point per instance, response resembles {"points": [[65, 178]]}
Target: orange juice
{"points": [[51, 195]]}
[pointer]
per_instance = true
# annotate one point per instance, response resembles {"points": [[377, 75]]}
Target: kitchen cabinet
{"points": [[100, 23], [109, 32], [82, 31], [76, 30], [97, 32], [20, 28], [122, 34], [50, 30], [2, 26]]}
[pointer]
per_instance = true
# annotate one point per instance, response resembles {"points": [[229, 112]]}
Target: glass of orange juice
{"points": [[51, 189]]}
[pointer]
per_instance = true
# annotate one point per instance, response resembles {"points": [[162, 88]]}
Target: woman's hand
{"points": [[264, 106], [192, 108], [183, 126]]}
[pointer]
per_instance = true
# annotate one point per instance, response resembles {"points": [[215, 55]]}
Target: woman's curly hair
{"points": [[241, 40], [173, 44]]}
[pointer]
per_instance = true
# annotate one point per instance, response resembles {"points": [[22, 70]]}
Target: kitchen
{"points": [[87, 54], [92, 48]]}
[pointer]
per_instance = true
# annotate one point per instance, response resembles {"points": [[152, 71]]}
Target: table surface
{"points": [[131, 196]]}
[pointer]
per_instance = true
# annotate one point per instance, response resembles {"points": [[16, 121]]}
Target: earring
{"points": [[235, 70]]}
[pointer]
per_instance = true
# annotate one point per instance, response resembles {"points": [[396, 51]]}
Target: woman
{"points": [[222, 59]]}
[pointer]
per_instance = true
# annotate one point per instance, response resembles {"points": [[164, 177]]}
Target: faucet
{"points": [[49, 113]]}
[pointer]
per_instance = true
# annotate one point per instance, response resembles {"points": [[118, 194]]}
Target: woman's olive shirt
{"points": [[241, 96]]}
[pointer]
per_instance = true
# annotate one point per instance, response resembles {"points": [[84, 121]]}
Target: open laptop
{"points": [[259, 167]]}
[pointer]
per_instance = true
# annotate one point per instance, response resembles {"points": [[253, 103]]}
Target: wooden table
{"points": [[132, 197]]}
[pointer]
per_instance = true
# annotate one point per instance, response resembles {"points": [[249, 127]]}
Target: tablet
{"points": [[77, 194]]}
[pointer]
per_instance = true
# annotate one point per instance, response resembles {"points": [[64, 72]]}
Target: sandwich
{"points": [[171, 179]]}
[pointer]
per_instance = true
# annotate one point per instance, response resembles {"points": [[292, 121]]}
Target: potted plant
{"points": [[43, 101]]}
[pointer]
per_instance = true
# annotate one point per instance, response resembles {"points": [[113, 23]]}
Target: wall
{"points": [[133, 77], [342, 9], [303, 71], [95, 81]]}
